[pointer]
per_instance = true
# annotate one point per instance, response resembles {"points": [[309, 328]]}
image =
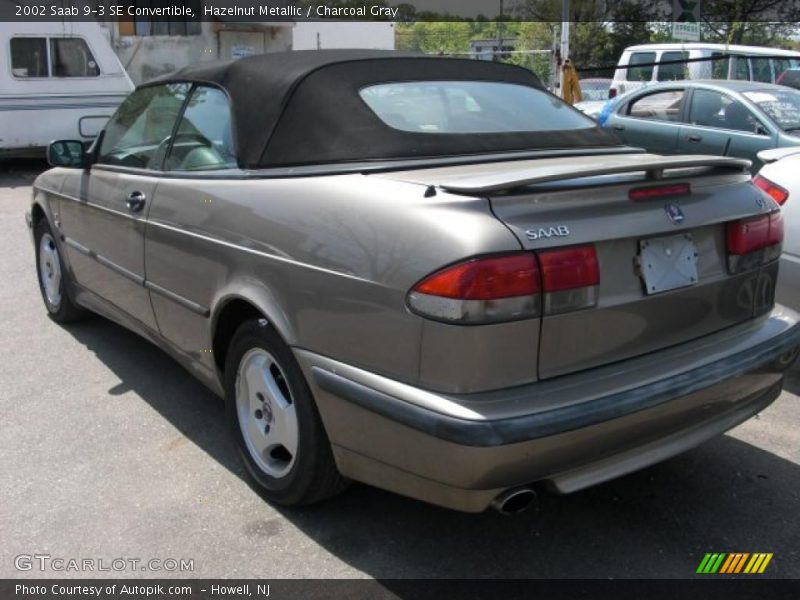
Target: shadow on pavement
{"points": [[21, 171], [724, 496]]}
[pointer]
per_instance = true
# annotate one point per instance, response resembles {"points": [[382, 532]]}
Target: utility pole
{"points": [[499, 32], [564, 43]]}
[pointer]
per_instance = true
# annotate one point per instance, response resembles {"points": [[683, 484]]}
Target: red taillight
{"points": [[485, 279], [612, 93], [659, 191], [775, 229], [569, 268], [754, 242], [509, 287], [775, 191]]}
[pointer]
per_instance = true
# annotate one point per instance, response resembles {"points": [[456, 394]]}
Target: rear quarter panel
{"points": [[329, 260]]}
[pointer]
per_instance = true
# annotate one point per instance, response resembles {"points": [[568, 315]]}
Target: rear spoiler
{"points": [[653, 165], [775, 154]]}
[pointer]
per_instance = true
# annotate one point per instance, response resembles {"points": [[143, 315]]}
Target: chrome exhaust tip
{"points": [[514, 501]]}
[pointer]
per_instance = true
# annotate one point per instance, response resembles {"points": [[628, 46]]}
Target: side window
{"points": [[137, 134], [761, 69], [204, 139], [661, 106], [720, 64], [781, 66], [71, 57], [640, 73], [740, 69], [29, 57], [713, 109], [673, 72], [706, 109]]}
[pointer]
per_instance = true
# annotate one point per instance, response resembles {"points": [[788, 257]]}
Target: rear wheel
{"points": [[274, 419], [53, 278]]}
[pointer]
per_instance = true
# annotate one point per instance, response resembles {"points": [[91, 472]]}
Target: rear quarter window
{"points": [[71, 57]]}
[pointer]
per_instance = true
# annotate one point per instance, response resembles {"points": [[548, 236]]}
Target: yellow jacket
{"points": [[572, 87]]}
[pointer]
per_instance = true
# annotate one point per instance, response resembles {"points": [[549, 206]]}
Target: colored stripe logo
{"points": [[734, 563]]}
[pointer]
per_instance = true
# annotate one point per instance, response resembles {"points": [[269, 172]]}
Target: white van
{"points": [[732, 62], [57, 80]]}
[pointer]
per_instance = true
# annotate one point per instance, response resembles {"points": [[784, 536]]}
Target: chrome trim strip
{"points": [[138, 279], [178, 299], [381, 166], [117, 213]]}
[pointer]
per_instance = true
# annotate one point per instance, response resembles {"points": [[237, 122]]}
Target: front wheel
{"points": [[53, 277], [274, 419]]}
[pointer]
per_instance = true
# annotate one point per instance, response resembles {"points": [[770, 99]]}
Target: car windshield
{"points": [[458, 107], [782, 106]]}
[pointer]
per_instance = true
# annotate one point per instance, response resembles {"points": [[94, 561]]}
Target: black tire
{"points": [[312, 477], [64, 310]]}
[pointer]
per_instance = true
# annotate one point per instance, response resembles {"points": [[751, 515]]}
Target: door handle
{"points": [[619, 127], [135, 201], [695, 138]]}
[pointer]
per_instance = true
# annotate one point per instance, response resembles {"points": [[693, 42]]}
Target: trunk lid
{"points": [[639, 244]]}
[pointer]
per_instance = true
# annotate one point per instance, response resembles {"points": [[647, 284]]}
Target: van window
{"points": [[740, 69], [640, 73], [29, 57], [719, 66], [673, 72], [137, 134], [661, 106], [71, 57], [781, 66], [761, 70], [204, 139]]}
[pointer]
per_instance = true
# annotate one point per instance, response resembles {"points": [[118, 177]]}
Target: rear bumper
{"points": [[461, 451]]}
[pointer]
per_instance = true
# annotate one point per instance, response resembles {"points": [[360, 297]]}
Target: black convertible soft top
{"points": [[303, 107]]}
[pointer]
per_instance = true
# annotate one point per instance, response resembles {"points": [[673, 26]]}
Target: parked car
{"points": [[780, 178], [595, 95], [652, 63], [789, 78], [57, 80], [724, 118], [427, 274]]}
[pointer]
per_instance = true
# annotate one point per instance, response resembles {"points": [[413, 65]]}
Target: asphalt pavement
{"points": [[111, 450]]}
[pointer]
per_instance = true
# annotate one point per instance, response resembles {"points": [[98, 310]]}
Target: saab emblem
{"points": [[547, 232], [674, 213]]}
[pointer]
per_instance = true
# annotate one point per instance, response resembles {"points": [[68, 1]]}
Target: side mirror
{"points": [[66, 153]]}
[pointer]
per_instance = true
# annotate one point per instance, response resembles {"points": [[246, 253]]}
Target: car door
{"points": [[185, 265], [651, 120], [720, 124], [104, 214]]}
